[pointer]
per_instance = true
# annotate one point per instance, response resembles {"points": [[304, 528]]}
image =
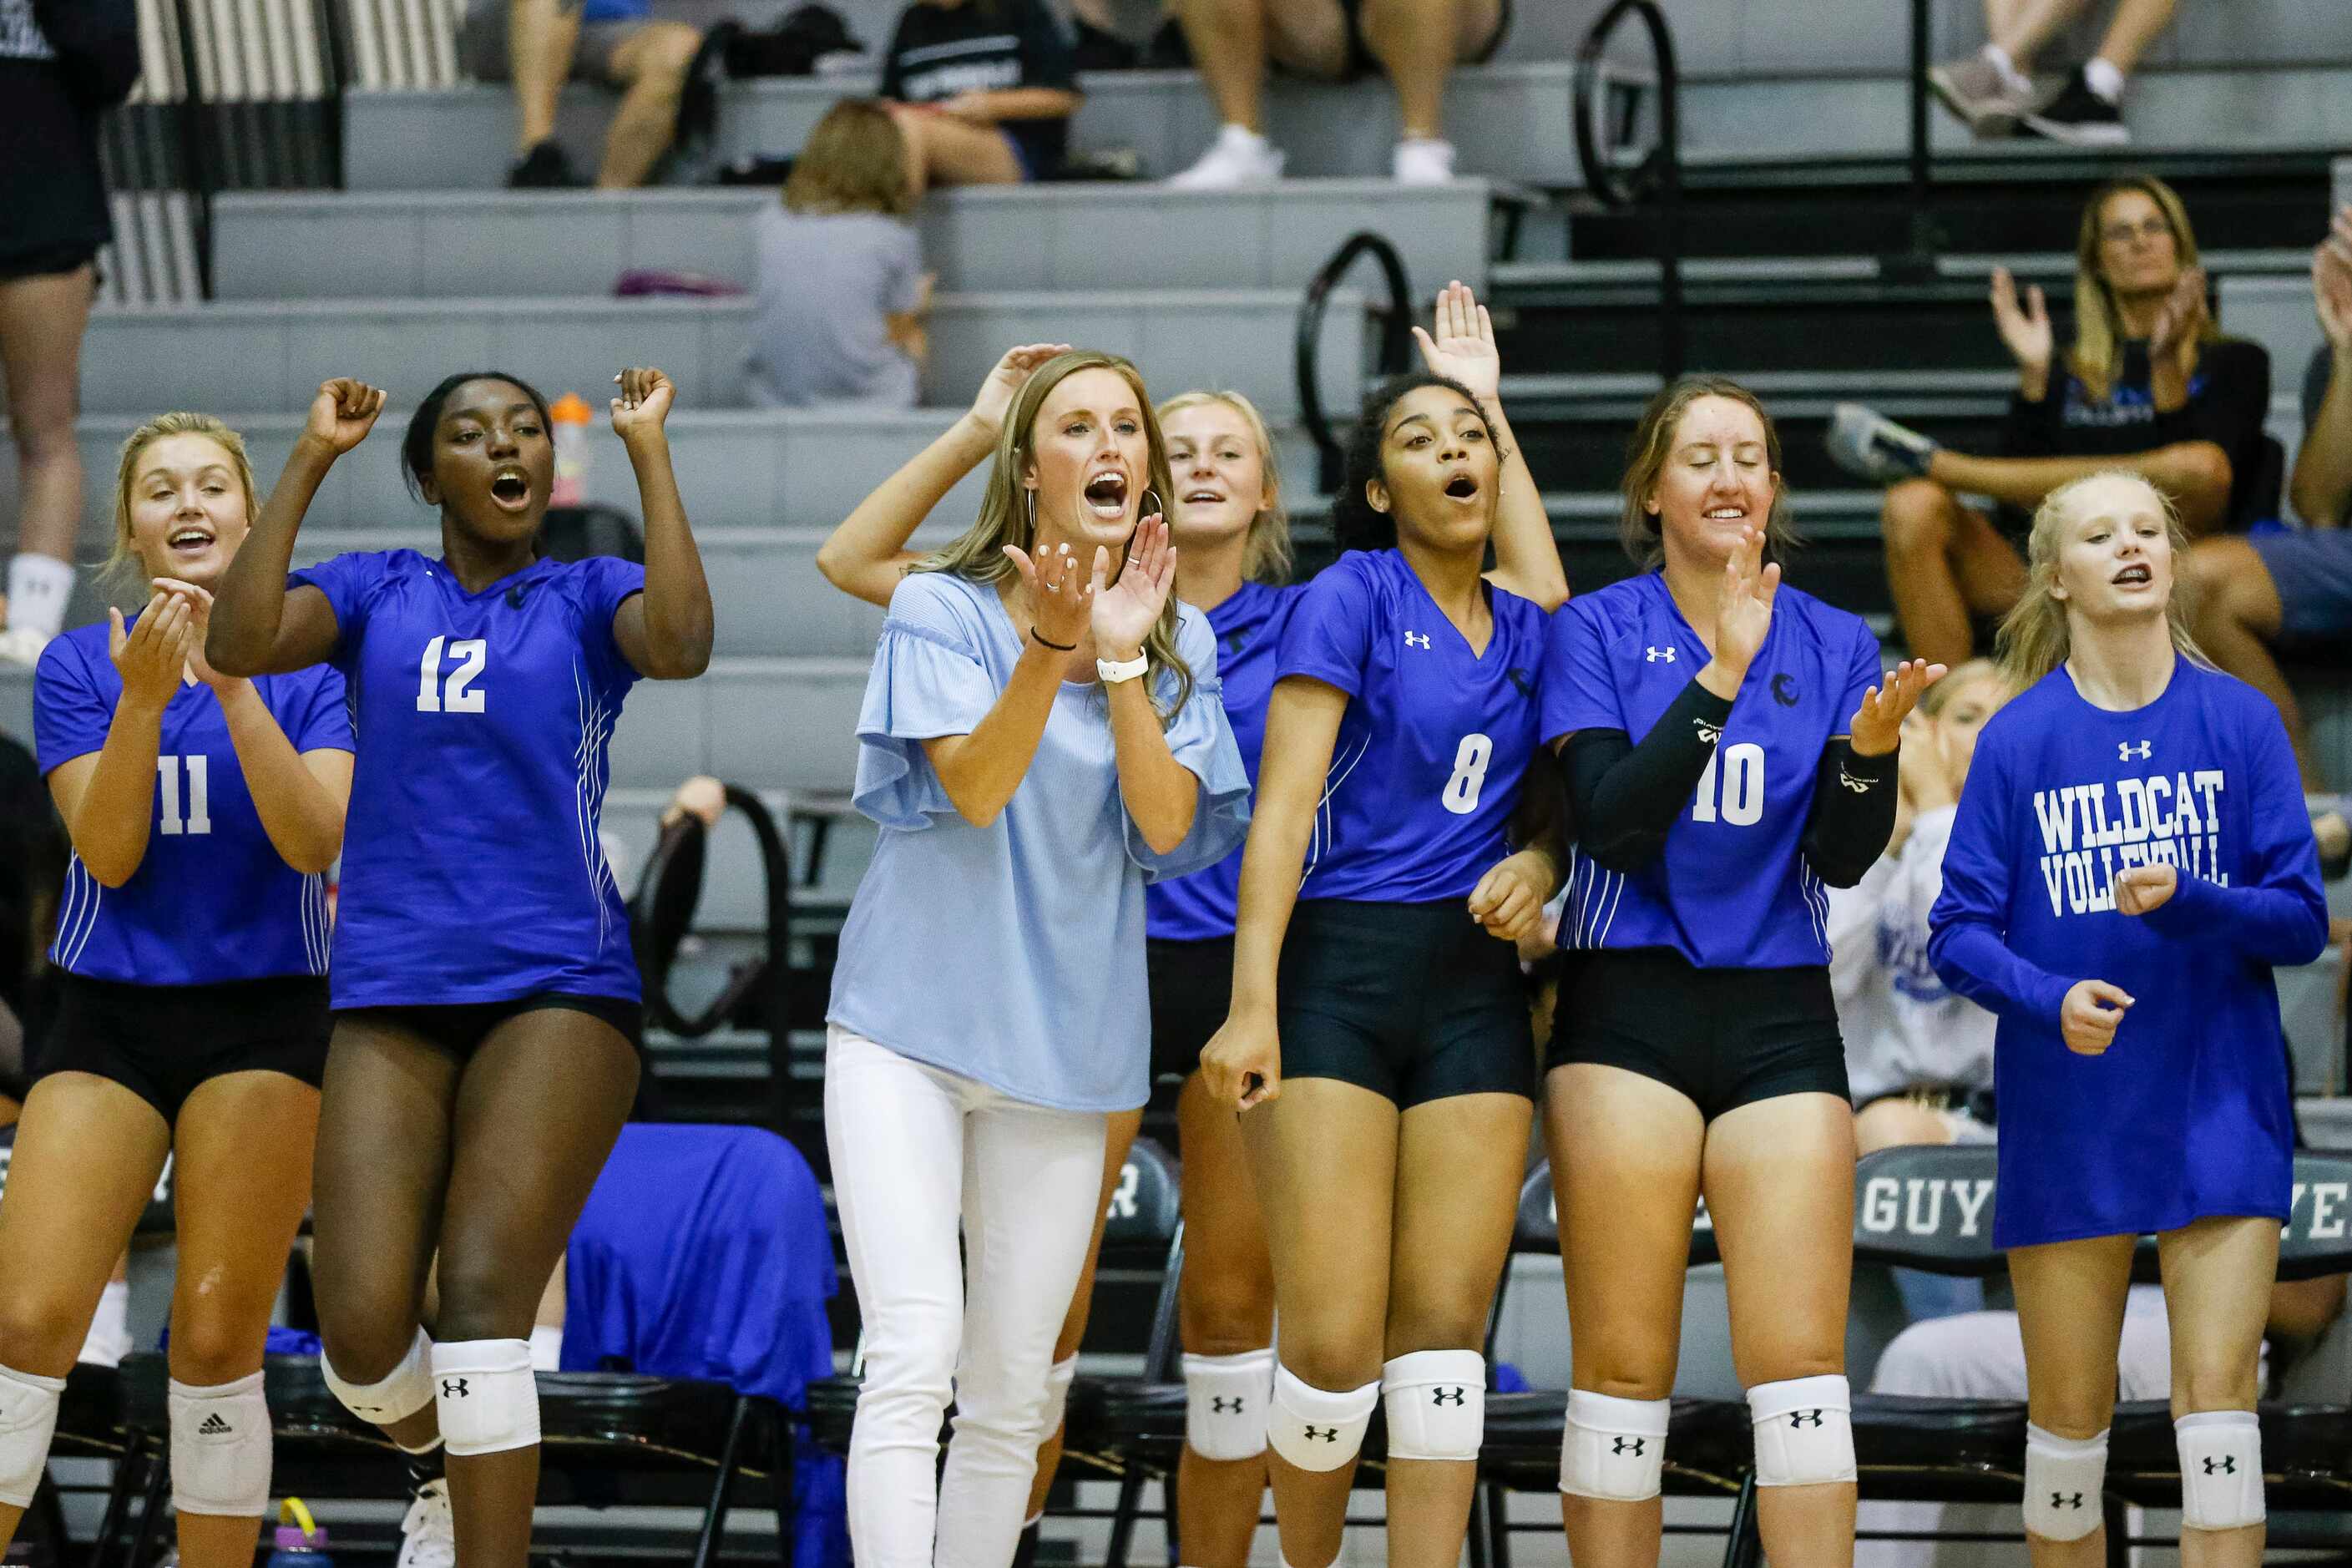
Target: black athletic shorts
{"points": [[460, 1027], [160, 1042], [1411, 1001], [1362, 62], [1723, 1038], [1192, 992]]}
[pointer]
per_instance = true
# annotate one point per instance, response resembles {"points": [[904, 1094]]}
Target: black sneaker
{"points": [[2079, 117], [1096, 51], [543, 168]]}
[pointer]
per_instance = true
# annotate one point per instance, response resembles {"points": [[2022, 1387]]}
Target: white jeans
{"points": [[914, 1148]]}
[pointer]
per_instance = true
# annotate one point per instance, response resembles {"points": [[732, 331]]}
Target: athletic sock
{"points": [[2102, 77], [2016, 80], [38, 589]]}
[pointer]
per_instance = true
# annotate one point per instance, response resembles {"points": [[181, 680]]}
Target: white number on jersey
{"points": [[1742, 802], [459, 696], [1470, 759], [199, 816]]}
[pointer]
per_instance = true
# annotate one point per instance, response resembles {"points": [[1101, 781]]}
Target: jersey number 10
{"points": [[1742, 786], [460, 695]]}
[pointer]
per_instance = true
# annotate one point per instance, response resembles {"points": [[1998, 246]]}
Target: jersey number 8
{"points": [[1742, 802], [458, 696], [1470, 759]]}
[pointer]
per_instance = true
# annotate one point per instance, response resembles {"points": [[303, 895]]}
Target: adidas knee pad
{"points": [[1436, 1404], [1058, 1393], [1226, 1400], [1804, 1431], [1315, 1429], [29, 1419], [2063, 1479], [2220, 1469], [1614, 1449], [487, 1396], [220, 1448], [402, 1391]]}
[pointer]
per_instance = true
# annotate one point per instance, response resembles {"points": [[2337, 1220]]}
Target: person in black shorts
{"points": [[982, 90]]}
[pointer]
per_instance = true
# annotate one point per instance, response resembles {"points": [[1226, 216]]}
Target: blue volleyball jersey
{"points": [[471, 866], [1434, 745], [1248, 628], [2186, 1113], [212, 900], [1731, 889]]}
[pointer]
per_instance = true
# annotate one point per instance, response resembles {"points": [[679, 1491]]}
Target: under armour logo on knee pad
{"points": [[454, 1388], [1804, 1417], [2227, 1465], [2060, 1500], [1323, 1433], [1633, 1445], [1446, 1396], [1220, 1405]]}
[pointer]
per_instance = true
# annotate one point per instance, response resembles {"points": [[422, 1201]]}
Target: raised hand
{"points": [[1745, 617], [1060, 598], [2024, 328], [1242, 1064], [1877, 724], [643, 402], [152, 655], [1126, 611], [2088, 1018], [1509, 898], [2331, 281], [996, 393], [2142, 888], [343, 414], [2180, 317], [1462, 347]]}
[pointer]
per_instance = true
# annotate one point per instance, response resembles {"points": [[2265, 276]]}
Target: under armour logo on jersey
{"points": [[1784, 690], [2125, 753], [214, 1427], [1804, 1417], [1652, 656], [1859, 786], [454, 1388], [1416, 639], [1633, 1445], [2060, 1500], [1708, 734], [2227, 1465], [1323, 1433], [1220, 1405], [1446, 1396]]}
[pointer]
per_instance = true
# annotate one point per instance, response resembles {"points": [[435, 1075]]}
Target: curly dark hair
{"points": [[1355, 525]]}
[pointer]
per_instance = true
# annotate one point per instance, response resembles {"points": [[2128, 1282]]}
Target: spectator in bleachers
{"points": [[60, 66], [1993, 90], [841, 290], [983, 90], [539, 45], [2150, 384], [2294, 587], [1415, 43]]}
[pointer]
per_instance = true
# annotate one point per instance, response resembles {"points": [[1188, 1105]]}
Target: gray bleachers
{"points": [[313, 245], [777, 723], [272, 357]]}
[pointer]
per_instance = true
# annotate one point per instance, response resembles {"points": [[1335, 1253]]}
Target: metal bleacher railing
{"points": [[1607, 104]]}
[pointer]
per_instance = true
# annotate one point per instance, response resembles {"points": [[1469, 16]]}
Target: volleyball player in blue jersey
{"points": [[192, 1021], [1728, 749], [1379, 1034], [487, 1014], [2131, 859]]}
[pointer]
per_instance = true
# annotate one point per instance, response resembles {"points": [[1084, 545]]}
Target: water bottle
{"points": [[300, 1545], [571, 417]]}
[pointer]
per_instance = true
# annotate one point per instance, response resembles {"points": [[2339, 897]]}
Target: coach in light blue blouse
{"points": [[1041, 735]]}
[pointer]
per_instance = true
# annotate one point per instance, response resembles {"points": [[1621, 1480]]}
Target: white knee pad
{"points": [[1804, 1431], [29, 1419], [1315, 1429], [220, 1448], [1058, 1393], [487, 1396], [2063, 1479], [2220, 1469], [1225, 1402], [1436, 1404], [1614, 1449], [404, 1391]]}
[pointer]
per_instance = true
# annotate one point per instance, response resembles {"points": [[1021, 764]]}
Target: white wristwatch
{"points": [[1113, 672]]}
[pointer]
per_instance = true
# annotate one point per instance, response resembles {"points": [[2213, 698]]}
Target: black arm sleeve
{"points": [[1854, 813], [1622, 798]]}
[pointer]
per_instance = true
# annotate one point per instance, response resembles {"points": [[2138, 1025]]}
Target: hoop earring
{"points": [[1032, 519], [1156, 505]]}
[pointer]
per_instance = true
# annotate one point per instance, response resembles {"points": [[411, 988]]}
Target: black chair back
{"points": [[1926, 1206], [2318, 1236], [1147, 1204], [1536, 1227]]}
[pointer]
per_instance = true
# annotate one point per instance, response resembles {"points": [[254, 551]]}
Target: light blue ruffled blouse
{"points": [[1013, 953]]}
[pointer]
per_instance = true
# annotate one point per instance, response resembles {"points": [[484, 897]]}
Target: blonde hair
{"points": [[1968, 673], [1642, 531], [1008, 510], [2034, 635], [2099, 319], [122, 566], [1266, 556], [853, 160]]}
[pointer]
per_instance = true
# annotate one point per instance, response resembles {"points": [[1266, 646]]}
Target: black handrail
{"points": [[1658, 178], [1396, 340], [1920, 258], [196, 150]]}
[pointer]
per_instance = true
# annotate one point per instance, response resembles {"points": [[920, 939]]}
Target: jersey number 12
{"points": [[1742, 787], [458, 696], [199, 816]]}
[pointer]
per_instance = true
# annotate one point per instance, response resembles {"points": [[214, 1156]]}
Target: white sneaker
{"points": [[428, 1534], [22, 645], [1238, 159], [1422, 161]]}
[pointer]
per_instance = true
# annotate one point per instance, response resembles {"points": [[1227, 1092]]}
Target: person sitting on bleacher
{"points": [[1416, 43], [538, 45], [2294, 587], [2149, 386], [1993, 90], [983, 90]]}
